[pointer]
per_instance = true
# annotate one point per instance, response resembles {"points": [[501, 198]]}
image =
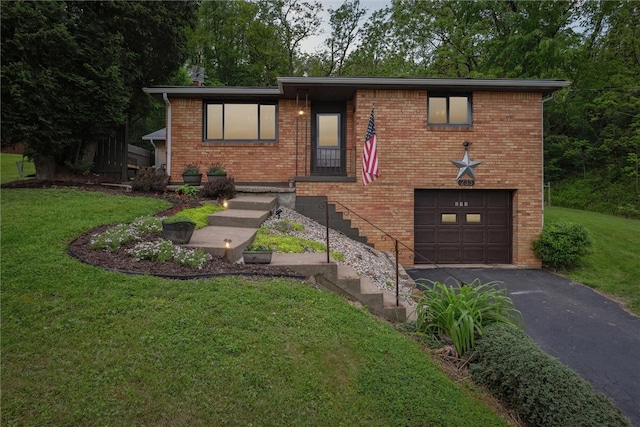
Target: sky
{"points": [[311, 44]]}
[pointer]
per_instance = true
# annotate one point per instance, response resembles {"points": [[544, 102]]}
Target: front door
{"points": [[328, 136]]}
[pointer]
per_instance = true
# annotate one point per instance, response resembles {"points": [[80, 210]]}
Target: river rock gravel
{"points": [[379, 267]]}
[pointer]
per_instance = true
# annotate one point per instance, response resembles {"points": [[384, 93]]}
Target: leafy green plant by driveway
{"points": [[462, 312], [562, 245]]}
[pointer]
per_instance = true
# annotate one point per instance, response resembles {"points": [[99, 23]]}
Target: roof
{"points": [[344, 88], [159, 135]]}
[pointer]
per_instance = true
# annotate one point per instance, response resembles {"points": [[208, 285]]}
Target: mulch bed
{"points": [[80, 248]]}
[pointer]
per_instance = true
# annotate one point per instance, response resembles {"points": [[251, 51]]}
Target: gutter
{"points": [[168, 104]]}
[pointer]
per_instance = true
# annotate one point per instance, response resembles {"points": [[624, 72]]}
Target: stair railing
{"points": [[385, 235]]}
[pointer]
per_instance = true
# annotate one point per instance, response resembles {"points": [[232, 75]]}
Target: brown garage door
{"points": [[462, 226]]}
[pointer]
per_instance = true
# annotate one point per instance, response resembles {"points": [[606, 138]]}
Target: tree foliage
{"points": [[72, 72]]}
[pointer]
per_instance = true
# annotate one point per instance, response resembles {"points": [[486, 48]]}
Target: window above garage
{"points": [[250, 122], [449, 110]]}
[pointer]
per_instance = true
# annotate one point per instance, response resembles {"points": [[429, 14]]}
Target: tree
{"points": [[294, 21], [344, 30], [236, 46], [72, 72]]}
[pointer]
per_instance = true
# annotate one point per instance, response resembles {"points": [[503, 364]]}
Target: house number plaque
{"points": [[466, 182]]}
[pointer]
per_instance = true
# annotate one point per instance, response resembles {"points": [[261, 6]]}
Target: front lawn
{"points": [[613, 267], [84, 346], [9, 169]]}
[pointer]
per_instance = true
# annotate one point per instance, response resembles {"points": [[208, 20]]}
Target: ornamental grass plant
{"points": [[461, 312]]}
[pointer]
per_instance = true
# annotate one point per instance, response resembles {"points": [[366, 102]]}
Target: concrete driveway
{"points": [[589, 333]]}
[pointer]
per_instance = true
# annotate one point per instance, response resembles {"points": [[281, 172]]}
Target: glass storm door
{"points": [[327, 146]]}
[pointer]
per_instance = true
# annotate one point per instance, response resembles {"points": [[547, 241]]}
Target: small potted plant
{"points": [[178, 229], [191, 174], [216, 171], [255, 254]]}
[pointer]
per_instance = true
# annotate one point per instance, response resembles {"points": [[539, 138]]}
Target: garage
{"points": [[462, 226]]}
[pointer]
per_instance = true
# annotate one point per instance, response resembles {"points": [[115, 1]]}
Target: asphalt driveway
{"points": [[589, 333]]}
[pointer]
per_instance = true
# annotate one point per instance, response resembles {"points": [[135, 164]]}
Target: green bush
{"points": [[187, 190], [149, 180], [219, 189], [540, 389], [462, 312], [598, 194], [562, 245]]}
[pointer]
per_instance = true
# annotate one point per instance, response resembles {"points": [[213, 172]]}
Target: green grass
{"points": [[613, 265], [200, 215], [280, 241], [84, 346], [9, 170]]}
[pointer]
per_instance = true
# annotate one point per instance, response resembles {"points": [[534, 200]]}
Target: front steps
{"points": [[239, 223], [344, 280], [315, 207]]}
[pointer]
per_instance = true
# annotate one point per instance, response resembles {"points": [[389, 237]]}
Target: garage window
{"points": [[449, 110]]}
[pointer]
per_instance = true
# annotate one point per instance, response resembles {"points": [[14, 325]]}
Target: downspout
{"points": [[548, 98], [168, 104], [155, 153]]}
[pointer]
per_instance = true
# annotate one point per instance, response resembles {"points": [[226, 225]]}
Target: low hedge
{"points": [[538, 387]]}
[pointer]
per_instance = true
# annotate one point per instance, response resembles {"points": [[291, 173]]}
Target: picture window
{"points": [[240, 122]]}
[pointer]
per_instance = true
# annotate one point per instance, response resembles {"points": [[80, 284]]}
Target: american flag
{"points": [[370, 153]]}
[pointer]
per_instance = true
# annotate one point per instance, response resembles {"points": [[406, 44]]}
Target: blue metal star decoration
{"points": [[466, 166]]}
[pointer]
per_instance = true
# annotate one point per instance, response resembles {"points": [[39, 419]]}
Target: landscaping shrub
{"points": [[540, 389], [562, 244], [219, 189], [463, 311], [150, 180], [187, 190]]}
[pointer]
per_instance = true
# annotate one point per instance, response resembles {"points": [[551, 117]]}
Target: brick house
{"points": [[484, 209]]}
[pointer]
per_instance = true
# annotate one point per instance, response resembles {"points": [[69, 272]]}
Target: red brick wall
{"points": [[245, 161], [506, 136]]}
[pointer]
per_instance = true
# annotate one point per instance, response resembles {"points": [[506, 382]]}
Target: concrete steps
{"points": [[344, 280], [239, 223], [238, 218], [315, 207]]}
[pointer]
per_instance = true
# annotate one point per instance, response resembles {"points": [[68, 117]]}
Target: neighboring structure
{"points": [[158, 141], [460, 160]]}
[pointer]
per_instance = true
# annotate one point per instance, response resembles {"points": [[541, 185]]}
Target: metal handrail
{"points": [[384, 234]]}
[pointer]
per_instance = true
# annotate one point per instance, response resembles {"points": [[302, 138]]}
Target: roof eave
{"points": [[345, 87]]}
